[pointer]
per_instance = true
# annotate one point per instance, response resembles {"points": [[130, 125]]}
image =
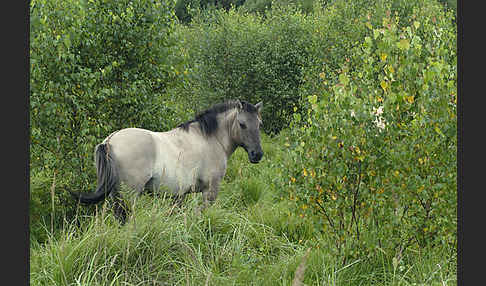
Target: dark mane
{"points": [[207, 118]]}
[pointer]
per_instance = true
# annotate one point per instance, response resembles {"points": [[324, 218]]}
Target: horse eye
{"points": [[242, 125]]}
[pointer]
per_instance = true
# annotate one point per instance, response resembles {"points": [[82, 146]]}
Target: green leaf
{"points": [[403, 44], [313, 99], [368, 41], [343, 79], [297, 117], [67, 41], [376, 33]]}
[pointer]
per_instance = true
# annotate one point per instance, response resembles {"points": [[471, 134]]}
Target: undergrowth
{"points": [[250, 236]]}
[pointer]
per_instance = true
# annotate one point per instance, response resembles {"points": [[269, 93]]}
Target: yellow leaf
{"points": [[313, 173], [437, 129], [384, 85], [383, 57], [410, 99]]}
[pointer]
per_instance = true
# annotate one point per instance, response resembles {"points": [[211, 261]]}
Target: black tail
{"points": [[107, 177]]}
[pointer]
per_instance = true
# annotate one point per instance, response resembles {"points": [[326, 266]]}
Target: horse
{"points": [[190, 158]]}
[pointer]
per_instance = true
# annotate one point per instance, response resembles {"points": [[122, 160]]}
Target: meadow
{"points": [[251, 236], [358, 182]]}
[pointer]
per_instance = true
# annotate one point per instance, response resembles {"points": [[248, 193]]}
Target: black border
{"points": [[460, 138], [14, 211]]}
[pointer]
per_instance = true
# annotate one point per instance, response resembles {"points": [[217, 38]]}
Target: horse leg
{"points": [[120, 207], [178, 199], [209, 195]]}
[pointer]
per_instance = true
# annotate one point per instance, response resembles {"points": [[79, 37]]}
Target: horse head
{"points": [[247, 129]]}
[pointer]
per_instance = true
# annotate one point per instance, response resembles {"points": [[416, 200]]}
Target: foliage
{"points": [[273, 58], [263, 6], [95, 67], [233, 55], [184, 9], [90, 63], [374, 155]]}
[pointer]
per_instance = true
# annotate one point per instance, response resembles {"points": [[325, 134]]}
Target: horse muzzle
{"points": [[255, 156]]}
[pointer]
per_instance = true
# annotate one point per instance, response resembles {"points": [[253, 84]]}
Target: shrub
{"points": [[374, 155], [184, 9], [262, 6], [95, 67], [273, 57], [237, 55]]}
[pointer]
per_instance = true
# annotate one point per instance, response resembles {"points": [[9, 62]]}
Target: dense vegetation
{"points": [[360, 144]]}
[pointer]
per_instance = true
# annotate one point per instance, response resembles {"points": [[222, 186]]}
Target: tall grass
{"points": [[248, 237]]}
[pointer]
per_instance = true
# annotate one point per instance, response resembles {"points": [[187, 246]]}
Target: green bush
{"points": [[237, 55], [262, 6], [184, 9], [374, 155], [273, 57], [92, 62], [95, 67]]}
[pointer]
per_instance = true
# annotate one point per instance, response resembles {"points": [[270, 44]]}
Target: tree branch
{"points": [[327, 217], [355, 201]]}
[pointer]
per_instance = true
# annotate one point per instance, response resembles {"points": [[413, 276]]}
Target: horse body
{"points": [[190, 158]]}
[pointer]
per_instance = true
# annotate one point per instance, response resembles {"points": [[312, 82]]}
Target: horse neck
{"points": [[224, 133]]}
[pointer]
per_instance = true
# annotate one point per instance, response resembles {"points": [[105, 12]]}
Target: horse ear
{"points": [[259, 107], [239, 104]]}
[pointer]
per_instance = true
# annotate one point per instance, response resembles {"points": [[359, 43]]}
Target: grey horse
{"points": [[189, 158]]}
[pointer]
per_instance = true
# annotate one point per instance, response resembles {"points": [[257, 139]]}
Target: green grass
{"points": [[250, 236]]}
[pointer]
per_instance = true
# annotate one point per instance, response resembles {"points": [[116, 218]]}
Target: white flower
{"points": [[380, 123], [378, 111], [353, 114], [379, 120]]}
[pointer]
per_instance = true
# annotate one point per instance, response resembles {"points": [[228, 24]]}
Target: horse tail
{"points": [[108, 179]]}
